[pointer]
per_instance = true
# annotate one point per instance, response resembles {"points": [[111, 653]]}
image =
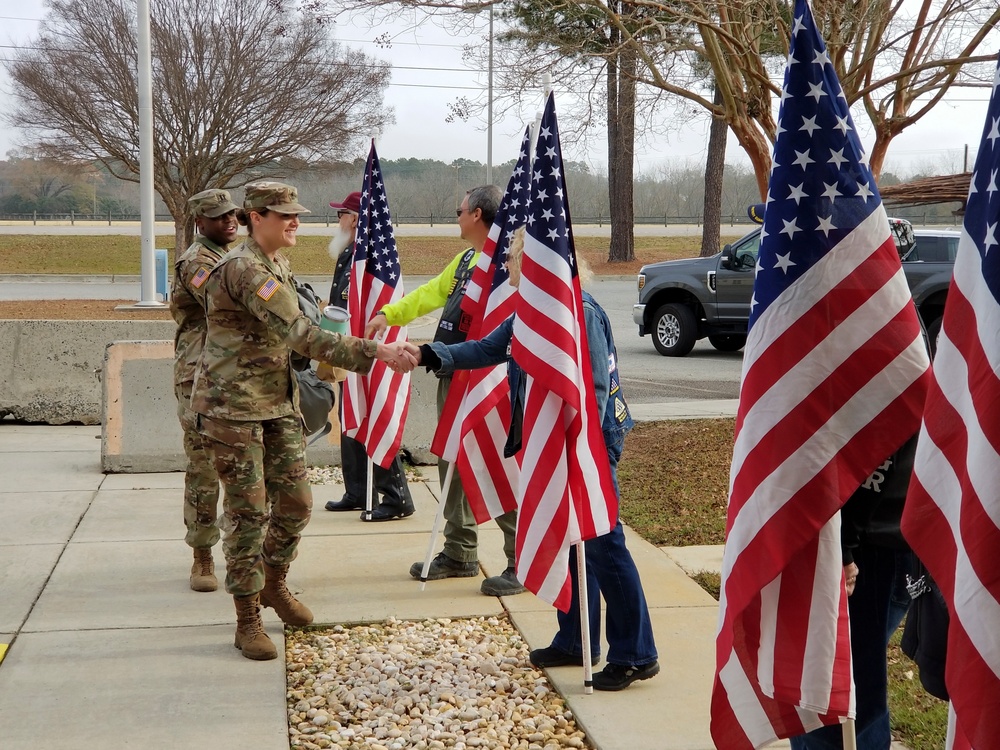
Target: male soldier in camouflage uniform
{"points": [[215, 217], [247, 399]]}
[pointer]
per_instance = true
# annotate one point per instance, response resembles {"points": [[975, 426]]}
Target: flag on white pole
{"points": [[834, 378]]}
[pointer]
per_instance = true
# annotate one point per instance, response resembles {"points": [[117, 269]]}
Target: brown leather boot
{"points": [[277, 596], [250, 636], [203, 571]]}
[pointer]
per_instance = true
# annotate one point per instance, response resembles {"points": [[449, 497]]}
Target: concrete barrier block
{"points": [[53, 372], [141, 432]]}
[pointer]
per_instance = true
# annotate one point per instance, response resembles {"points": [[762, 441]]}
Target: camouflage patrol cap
{"points": [[211, 203], [274, 196]]}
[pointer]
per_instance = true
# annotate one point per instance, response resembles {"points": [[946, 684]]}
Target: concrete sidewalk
{"points": [[108, 647]]}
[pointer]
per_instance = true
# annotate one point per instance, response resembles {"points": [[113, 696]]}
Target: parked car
{"points": [[681, 301]]}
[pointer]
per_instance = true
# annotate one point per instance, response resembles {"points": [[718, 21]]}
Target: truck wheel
{"points": [[727, 342], [933, 331], [674, 330]]}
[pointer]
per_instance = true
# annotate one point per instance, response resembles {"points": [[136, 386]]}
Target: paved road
{"points": [[647, 376]]}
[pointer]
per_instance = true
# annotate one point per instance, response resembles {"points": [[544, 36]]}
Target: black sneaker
{"points": [[505, 584], [619, 677], [543, 658], [443, 566]]}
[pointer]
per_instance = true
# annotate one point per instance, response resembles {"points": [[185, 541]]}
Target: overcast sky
{"points": [[429, 72]]}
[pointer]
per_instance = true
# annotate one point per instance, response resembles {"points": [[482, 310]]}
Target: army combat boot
{"points": [[250, 636], [277, 596], [203, 570]]}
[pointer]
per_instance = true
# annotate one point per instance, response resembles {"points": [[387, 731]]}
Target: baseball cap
{"points": [[211, 203], [274, 196], [351, 203]]}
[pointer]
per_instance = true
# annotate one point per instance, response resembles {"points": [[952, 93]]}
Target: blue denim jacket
{"points": [[494, 348]]}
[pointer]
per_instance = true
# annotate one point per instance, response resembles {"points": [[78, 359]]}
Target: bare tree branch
{"points": [[242, 89]]}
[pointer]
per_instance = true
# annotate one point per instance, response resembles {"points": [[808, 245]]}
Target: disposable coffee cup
{"points": [[335, 320]]}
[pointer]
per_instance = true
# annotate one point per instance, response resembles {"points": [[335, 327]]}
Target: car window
{"points": [[748, 246], [935, 249]]}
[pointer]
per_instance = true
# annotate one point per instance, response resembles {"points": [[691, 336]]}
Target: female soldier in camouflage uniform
{"points": [[247, 399]]}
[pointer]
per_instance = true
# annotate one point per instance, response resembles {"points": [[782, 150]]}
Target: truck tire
{"points": [[674, 330], [933, 331], [728, 342]]}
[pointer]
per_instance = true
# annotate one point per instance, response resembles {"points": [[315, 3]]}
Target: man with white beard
{"points": [[389, 483]]}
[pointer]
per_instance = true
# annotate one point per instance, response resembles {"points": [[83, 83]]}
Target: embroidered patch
{"points": [[270, 287], [620, 411], [199, 278]]}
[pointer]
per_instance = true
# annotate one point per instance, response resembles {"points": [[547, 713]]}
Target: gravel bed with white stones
{"points": [[333, 474], [434, 684]]}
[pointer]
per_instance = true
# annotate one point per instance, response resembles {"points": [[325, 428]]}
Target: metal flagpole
{"points": [[369, 477], [147, 257], [584, 599], [368, 489], [436, 528]]}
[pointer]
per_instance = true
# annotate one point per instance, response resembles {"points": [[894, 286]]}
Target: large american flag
{"points": [[952, 513], [834, 377], [375, 404], [473, 426], [566, 494]]}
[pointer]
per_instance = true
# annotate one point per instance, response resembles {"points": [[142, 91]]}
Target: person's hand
{"points": [[850, 577], [396, 356], [414, 351], [375, 326]]}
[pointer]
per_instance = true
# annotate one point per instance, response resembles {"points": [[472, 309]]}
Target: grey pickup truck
{"points": [[681, 301]]}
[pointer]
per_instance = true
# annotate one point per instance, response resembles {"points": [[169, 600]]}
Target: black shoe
{"points": [[345, 503], [619, 677], [543, 658], [388, 512], [505, 584], [443, 566]]}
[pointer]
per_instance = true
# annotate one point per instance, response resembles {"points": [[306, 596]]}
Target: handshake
{"points": [[401, 356]]}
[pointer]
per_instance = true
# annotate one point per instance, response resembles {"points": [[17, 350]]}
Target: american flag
{"points": [[952, 513], [473, 426], [375, 404], [566, 494], [834, 377]]}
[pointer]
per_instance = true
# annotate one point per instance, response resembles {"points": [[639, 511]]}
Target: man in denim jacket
{"points": [[610, 569]]}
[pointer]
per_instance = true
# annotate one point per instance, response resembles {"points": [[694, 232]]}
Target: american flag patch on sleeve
{"points": [[199, 278], [270, 287]]}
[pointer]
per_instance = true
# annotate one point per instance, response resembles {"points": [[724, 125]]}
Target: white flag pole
{"points": [[850, 735], [581, 581], [436, 528], [369, 480]]}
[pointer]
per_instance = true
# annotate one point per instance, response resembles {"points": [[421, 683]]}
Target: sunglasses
{"points": [[460, 211], [342, 213]]}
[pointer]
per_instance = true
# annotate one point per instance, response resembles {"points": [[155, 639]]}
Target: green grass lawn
{"points": [[419, 256]]}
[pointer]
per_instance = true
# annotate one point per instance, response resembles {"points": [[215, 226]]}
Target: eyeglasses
{"points": [[342, 213], [460, 211]]}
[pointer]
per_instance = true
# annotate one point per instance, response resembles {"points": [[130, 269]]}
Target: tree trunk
{"points": [[758, 149], [715, 166], [621, 155]]}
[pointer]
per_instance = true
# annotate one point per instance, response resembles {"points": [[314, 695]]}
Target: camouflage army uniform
{"points": [[247, 399], [187, 305]]}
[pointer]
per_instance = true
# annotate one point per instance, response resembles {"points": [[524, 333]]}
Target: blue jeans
{"points": [[611, 572], [876, 608]]}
